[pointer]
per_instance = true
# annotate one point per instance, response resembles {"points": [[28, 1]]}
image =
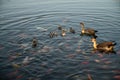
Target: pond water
{"points": [[59, 58]]}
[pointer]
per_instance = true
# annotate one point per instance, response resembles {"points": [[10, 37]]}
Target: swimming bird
{"points": [[63, 32], [53, 34], [59, 27], [87, 31], [34, 42], [107, 46], [72, 30]]}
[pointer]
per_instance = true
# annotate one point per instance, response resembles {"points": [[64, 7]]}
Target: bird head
{"points": [[93, 39], [81, 23]]}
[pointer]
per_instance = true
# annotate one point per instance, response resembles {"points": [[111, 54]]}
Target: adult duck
{"points": [[104, 46], [87, 31]]}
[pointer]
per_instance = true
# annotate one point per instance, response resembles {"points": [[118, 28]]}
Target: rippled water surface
{"points": [[59, 58]]}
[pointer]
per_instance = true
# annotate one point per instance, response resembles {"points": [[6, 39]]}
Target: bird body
{"points": [[87, 31], [104, 46], [53, 34], [63, 32]]}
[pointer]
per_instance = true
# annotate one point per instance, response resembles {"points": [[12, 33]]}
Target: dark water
{"points": [[59, 58]]}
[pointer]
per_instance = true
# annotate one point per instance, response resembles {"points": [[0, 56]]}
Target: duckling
{"points": [[34, 42], [104, 46], [59, 27], [53, 34], [63, 32], [72, 30], [88, 31]]}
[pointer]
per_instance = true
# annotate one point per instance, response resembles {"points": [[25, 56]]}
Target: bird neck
{"points": [[82, 26], [95, 45]]}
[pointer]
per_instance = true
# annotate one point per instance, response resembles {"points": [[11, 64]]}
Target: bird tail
{"points": [[114, 43], [96, 31], [94, 36]]}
